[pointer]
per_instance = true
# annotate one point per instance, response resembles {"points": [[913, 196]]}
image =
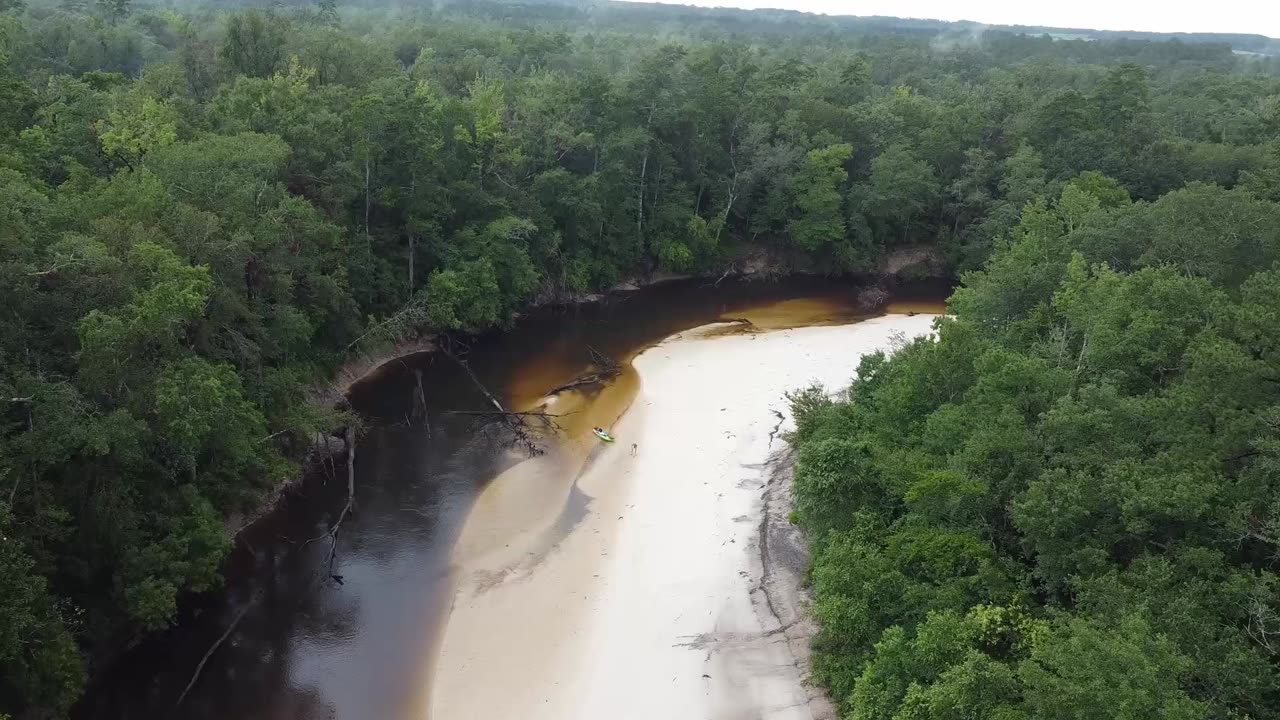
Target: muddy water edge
{"points": [[304, 646]]}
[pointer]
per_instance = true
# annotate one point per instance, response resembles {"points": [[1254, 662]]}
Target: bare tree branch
{"points": [[212, 649], [513, 422]]}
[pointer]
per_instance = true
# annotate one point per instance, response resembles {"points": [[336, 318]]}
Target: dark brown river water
{"points": [[308, 648]]}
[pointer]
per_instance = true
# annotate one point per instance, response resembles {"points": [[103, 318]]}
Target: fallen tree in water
{"points": [[347, 509], [603, 369], [213, 649], [450, 347]]}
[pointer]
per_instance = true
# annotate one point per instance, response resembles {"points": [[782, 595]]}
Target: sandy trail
{"points": [[634, 594]]}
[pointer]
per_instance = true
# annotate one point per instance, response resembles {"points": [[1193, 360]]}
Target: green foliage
{"points": [[834, 478], [203, 414], [1064, 505], [465, 297], [204, 209], [1081, 669], [187, 555], [40, 658], [169, 295], [901, 189], [254, 43], [114, 10], [130, 137], [818, 198]]}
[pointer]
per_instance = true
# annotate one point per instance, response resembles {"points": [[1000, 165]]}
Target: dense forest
{"points": [[1067, 504], [206, 209]]}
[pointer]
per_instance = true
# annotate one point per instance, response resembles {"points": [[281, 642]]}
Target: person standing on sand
{"points": [[634, 448]]}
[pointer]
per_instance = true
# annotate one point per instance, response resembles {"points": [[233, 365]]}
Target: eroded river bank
{"points": [[557, 586]]}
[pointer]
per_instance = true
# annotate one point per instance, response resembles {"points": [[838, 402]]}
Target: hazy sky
{"points": [[1241, 16]]}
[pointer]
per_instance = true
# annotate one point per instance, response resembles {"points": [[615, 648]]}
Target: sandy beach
{"points": [[597, 583]]}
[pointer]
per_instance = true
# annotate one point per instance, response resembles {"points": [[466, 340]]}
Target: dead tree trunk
{"points": [[605, 369], [412, 252], [366, 200], [644, 168], [323, 443], [732, 194], [420, 404], [351, 470], [413, 242], [349, 439], [495, 413], [351, 499], [606, 365], [419, 397], [212, 649]]}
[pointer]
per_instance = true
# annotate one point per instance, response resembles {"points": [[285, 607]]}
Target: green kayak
{"points": [[602, 434]]}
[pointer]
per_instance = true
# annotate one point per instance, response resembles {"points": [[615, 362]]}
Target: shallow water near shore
{"points": [[308, 647]]}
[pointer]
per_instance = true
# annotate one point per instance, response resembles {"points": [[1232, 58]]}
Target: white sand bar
{"points": [[646, 605]]}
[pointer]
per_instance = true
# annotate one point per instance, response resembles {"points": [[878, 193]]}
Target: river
{"points": [[308, 647]]}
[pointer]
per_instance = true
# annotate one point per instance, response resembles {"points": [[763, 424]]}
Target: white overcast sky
{"points": [[1236, 16]]}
